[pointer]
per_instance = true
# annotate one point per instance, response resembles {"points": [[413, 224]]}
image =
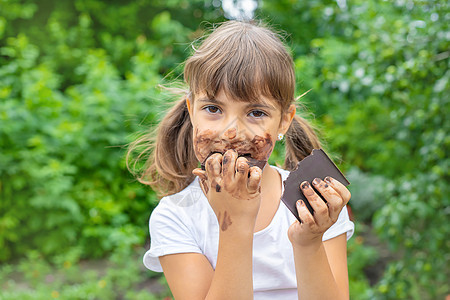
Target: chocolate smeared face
{"points": [[221, 123]]}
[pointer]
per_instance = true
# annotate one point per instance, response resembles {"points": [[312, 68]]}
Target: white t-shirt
{"points": [[185, 222]]}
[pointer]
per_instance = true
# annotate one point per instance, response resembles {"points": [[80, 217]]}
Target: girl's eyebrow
{"points": [[250, 105], [260, 105], [212, 100]]}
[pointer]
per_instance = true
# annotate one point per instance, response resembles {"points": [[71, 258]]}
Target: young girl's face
{"points": [[223, 123]]}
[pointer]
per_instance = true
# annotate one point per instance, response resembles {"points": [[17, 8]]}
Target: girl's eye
{"points": [[257, 114], [212, 109]]}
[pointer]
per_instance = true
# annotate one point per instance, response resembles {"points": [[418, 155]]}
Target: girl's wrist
{"points": [[230, 223], [311, 246], [236, 235]]}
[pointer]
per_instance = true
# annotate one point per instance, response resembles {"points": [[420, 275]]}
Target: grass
{"points": [[120, 276]]}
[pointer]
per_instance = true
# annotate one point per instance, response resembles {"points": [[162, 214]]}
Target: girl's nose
{"points": [[234, 131]]}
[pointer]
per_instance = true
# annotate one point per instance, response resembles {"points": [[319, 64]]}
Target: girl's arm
{"points": [[235, 197], [190, 275], [321, 267], [319, 274]]}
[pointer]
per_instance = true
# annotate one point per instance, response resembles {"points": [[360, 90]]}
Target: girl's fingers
{"points": [[242, 170], [214, 164], [200, 173], [334, 200], [340, 188], [319, 206], [305, 215], [254, 180], [229, 165], [213, 168]]}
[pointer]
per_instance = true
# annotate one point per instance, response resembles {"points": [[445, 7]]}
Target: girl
{"points": [[220, 231]]}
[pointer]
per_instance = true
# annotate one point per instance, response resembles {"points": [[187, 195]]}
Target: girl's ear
{"points": [[286, 119], [188, 104]]}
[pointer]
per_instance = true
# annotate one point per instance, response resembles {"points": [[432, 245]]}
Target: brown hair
{"points": [[245, 60]]}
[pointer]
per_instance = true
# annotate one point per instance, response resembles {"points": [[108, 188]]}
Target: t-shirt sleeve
{"points": [[168, 235], [342, 225]]}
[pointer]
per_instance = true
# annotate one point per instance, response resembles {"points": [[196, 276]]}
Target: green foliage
{"points": [[379, 76], [66, 112], [69, 278], [78, 79], [368, 191], [359, 257]]}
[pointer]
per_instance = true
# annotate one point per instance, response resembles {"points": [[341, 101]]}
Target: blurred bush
{"points": [[379, 74], [77, 81]]}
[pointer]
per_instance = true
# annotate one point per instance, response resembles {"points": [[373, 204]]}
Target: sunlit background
{"points": [[78, 81]]}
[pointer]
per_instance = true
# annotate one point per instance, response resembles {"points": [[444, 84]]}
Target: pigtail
{"points": [[169, 151], [301, 139]]}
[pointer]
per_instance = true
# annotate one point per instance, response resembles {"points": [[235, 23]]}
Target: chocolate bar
{"points": [[315, 165]]}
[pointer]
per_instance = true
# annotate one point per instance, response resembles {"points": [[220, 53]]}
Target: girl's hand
{"points": [[233, 194], [312, 228]]}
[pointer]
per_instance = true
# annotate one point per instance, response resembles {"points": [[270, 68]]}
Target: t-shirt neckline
{"points": [[275, 216], [283, 176]]}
